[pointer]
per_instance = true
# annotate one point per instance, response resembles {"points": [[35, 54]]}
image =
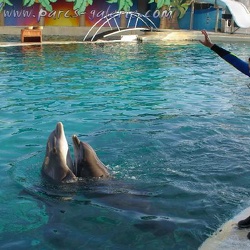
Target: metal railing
{"points": [[112, 17]]}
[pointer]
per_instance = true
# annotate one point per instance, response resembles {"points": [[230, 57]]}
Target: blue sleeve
{"points": [[239, 64]]}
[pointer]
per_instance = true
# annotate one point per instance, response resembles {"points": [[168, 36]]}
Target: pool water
{"points": [[170, 121]]}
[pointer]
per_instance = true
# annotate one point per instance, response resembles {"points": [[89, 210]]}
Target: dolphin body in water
{"points": [[58, 164], [121, 198]]}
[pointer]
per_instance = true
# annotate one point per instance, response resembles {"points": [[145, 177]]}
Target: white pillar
{"points": [[192, 16]]}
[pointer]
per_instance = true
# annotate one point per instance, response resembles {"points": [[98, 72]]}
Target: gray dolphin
{"points": [[87, 164], [57, 163]]}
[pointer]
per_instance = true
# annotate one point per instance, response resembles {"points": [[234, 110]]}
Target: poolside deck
{"points": [[193, 35], [75, 35]]}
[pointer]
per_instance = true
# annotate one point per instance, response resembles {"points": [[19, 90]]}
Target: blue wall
{"points": [[203, 19]]}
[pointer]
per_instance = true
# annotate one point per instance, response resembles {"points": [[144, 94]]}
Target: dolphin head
{"points": [[57, 162], [87, 164]]}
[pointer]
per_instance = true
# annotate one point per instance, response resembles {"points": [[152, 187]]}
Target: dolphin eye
{"points": [[54, 150]]}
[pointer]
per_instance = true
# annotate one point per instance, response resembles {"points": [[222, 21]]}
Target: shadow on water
{"points": [[89, 213]]}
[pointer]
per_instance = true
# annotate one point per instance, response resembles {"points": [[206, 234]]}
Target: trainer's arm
{"points": [[239, 64]]}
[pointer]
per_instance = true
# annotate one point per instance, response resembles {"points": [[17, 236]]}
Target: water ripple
{"points": [[171, 123]]}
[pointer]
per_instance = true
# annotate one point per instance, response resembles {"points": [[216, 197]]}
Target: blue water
{"points": [[171, 122]]}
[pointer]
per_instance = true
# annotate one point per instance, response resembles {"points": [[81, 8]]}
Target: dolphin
{"points": [[86, 163], [57, 163]]}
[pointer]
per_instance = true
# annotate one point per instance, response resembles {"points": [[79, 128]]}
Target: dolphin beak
{"points": [[59, 128], [76, 141]]}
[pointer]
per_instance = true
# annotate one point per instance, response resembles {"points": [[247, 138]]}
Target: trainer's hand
{"points": [[207, 42]]}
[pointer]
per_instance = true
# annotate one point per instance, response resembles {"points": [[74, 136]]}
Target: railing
{"points": [[112, 17]]}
